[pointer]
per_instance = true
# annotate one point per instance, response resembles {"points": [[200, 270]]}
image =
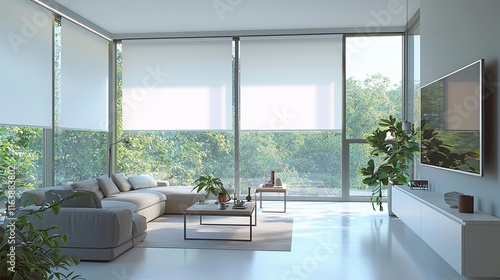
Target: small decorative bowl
{"points": [[239, 203]]}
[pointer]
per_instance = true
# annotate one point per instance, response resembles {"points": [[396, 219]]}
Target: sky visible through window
{"points": [[369, 54]]}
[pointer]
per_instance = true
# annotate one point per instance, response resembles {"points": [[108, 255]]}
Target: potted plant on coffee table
{"points": [[211, 185], [395, 149]]}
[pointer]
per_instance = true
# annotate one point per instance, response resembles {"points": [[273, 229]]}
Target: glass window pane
{"points": [[21, 149], [21, 161], [309, 163], [79, 155], [178, 156], [374, 67], [359, 155]]}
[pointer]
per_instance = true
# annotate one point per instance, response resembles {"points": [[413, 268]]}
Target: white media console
{"points": [[470, 243]]}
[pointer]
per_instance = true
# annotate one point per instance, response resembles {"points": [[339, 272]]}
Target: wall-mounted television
{"points": [[452, 106]]}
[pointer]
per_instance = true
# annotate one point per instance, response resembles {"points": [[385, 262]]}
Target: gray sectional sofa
{"points": [[113, 216]]}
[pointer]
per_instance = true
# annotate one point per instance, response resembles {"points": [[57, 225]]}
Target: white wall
{"points": [[455, 33]]}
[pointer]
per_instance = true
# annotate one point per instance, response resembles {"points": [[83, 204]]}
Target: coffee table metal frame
{"points": [[209, 208], [281, 189]]}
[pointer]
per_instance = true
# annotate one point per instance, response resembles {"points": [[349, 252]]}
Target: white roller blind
{"points": [[84, 79], [177, 85], [291, 83], [25, 64]]}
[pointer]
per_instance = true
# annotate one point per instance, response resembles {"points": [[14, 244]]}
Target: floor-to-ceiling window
{"points": [[374, 90], [175, 101], [25, 97], [80, 109], [291, 113]]}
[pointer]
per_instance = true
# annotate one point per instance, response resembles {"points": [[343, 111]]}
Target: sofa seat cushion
{"points": [[141, 199], [172, 191], [108, 203]]}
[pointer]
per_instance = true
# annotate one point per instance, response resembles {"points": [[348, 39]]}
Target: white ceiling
{"points": [[123, 18]]}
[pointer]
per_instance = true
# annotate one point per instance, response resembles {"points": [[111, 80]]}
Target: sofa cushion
{"points": [[109, 203], [87, 200], [141, 199], [121, 182], [90, 185], [142, 182], [107, 186]]}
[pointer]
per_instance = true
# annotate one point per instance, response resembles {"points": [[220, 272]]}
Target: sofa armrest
{"points": [[163, 183], [89, 227]]}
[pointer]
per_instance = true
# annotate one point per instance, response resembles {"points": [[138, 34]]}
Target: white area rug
{"points": [[272, 233]]}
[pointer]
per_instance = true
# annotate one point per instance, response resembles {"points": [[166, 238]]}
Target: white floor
{"points": [[338, 240]]}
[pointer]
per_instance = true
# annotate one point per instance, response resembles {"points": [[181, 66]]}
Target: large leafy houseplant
{"points": [[31, 252], [210, 184], [394, 149]]}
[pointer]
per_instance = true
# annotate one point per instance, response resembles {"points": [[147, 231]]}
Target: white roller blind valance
{"points": [[25, 64], [291, 83], [84, 79], [177, 84]]}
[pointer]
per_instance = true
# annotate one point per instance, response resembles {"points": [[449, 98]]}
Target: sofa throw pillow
{"points": [[121, 182], [89, 185], [142, 182], [107, 186], [88, 199]]}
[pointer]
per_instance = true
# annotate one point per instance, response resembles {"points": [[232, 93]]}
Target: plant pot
{"points": [[222, 197]]}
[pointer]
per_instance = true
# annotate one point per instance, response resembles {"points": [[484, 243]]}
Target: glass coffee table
{"points": [[209, 208]]}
